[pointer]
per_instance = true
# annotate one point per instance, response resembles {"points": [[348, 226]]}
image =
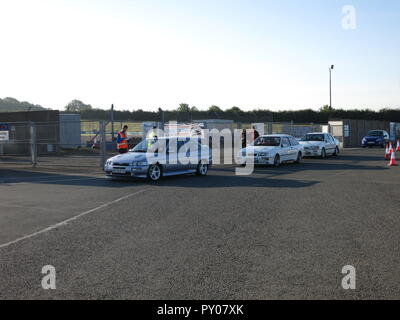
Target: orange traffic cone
{"points": [[387, 152], [398, 145], [391, 150], [393, 162]]}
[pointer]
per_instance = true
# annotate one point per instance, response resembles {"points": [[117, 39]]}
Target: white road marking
{"points": [[48, 181], [55, 175], [65, 222], [28, 207], [57, 179]]}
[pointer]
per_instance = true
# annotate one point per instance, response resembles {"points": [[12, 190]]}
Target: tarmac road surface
{"points": [[281, 233]]}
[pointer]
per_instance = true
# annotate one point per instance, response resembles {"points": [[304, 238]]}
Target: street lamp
{"points": [[330, 86]]}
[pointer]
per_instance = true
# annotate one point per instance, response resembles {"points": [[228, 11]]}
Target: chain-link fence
{"points": [[85, 143], [297, 130], [63, 143]]}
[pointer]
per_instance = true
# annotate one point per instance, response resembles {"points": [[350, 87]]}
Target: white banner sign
{"points": [[4, 136], [184, 130]]}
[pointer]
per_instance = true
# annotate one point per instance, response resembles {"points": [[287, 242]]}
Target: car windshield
{"points": [[143, 146], [375, 133], [313, 137], [268, 142]]}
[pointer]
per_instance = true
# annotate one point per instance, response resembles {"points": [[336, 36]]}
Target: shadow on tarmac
{"points": [[219, 177]]}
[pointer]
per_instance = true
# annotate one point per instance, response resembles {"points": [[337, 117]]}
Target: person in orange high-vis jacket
{"points": [[122, 140]]}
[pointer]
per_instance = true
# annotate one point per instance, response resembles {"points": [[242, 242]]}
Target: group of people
{"points": [[123, 141], [123, 145]]}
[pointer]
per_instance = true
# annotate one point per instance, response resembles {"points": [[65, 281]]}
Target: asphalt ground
{"points": [[281, 233]]}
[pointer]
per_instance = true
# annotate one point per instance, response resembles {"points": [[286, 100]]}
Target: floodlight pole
{"points": [[330, 86]]}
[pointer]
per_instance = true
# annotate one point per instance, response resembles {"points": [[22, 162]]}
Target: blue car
{"points": [[375, 138]]}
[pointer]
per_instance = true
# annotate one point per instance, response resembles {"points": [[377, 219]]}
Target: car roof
{"points": [[318, 133], [175, 137], [276, 136]]}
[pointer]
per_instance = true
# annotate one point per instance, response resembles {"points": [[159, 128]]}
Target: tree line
{"points": [[185, 113], [12, 105]]}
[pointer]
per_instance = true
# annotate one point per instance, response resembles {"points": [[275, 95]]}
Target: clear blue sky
{"points": [[150, 54]]}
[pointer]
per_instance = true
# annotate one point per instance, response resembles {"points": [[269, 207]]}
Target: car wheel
{"points": [[299, 158], [277, 161], [155, 172], [202, 169], [337, 151], [323, 153]]}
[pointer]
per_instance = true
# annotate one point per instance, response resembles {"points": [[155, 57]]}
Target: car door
{"points": [[176, 152], [193, 149], [285, 151], [333, 141], [183, 155], [328, 144], [295, 148]]}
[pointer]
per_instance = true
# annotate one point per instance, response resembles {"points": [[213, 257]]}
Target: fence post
{"points": [[270, 128], [103, 145], [112, 122], [33, 144]]}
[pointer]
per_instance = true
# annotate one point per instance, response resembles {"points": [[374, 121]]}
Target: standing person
{"points": [[244, 139], [152, 136], [153, 133], [256, 134], [122, 140]]}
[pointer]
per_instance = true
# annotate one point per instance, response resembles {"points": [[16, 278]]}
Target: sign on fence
{"points": [[4, 136]]}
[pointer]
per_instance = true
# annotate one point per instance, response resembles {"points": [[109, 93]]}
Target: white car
{"points": [[319, 144], [272, 150]]}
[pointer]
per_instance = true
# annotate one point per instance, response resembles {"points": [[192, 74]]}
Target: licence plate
{"points": [[119, 171], [371, 142]]}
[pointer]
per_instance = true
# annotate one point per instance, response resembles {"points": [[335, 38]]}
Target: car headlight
{"points": [[109, 163], [244, 153], [263, 154]]}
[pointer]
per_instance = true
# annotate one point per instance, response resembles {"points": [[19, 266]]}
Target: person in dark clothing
{"points": [[244, 139], [256, 134]]}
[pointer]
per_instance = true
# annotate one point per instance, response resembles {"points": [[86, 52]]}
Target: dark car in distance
{"points": [[375, 138]]}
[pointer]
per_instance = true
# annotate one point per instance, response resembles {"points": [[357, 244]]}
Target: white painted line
{"points": [[31, 208], [47, 181], [57, 176], [65, 222]]}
